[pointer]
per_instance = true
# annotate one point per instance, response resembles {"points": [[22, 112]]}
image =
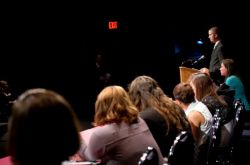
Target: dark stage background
{"points": [[54, 46]]}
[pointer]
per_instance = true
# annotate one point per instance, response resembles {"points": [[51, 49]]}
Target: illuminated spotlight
{"points": [[199, 42]]}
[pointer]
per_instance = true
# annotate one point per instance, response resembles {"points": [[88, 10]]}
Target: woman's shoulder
{"points": [[233, 77], [150, 114]]}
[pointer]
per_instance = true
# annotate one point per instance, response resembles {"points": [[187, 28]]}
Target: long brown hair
{"points": [[145, 92], [204, 86], [230, 66]]}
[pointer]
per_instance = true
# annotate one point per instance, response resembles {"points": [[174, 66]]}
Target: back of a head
{"points": [[146, 93], [114, 105], [202, 85], [184, 93], [143, 90], [43, 128]]}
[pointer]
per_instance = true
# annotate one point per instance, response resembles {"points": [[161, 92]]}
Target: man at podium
{"points": [[217, 56]]}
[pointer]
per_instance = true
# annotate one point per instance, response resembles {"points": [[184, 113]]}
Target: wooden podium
{"points": [[186, 72]]}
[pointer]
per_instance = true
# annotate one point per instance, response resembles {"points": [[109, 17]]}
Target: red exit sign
{"points": [[112, 25]]}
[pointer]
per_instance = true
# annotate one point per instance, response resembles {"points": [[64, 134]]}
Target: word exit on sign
{"points": [[112, 25]]}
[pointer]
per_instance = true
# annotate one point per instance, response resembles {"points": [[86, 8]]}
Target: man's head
{"points": [[214, 34]]}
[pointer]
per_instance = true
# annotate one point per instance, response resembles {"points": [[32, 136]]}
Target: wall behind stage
{"points": [[55, 48]]}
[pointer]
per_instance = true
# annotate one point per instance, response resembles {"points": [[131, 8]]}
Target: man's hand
{"points": [[205, 70]]}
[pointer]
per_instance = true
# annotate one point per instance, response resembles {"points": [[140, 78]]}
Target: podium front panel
{"points": [[186, 72]]}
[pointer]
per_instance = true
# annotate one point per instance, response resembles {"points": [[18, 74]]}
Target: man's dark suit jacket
{"points": [[215, 62]]}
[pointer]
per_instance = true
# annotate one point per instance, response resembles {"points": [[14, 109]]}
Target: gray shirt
{"points": [[119, 144]]}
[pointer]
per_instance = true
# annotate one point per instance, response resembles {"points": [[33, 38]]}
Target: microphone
{"points": [[199, 59]]}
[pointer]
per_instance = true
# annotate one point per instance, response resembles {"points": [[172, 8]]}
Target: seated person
{"points": [[228, 70], [197, 113], [6, 100], [159, 111], [120, 136], [43, 129], [205, 92]]}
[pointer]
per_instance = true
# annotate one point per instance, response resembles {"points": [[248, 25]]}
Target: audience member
{"points": [[205, 91], [164, 118], [6, 100], [120, 136], [198, 115], [43, 129], [232, 79]]}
